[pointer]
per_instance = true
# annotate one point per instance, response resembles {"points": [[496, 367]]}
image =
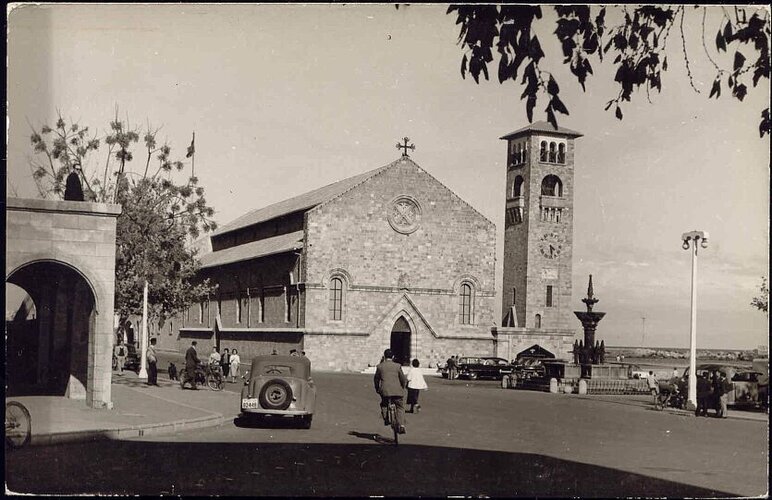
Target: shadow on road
{"points": [[372, 437], [266, 422], [285, 469]]}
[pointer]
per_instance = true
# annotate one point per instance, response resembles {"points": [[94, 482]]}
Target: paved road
{"points": [[470, 439]]}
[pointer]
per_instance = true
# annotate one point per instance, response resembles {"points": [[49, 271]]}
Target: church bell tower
{"points": [[538, 230]]}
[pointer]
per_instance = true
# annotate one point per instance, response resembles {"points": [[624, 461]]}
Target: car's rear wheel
{"points": [[276, 394]]}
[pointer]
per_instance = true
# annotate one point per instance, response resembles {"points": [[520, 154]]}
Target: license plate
{"points": [[249, 404]]}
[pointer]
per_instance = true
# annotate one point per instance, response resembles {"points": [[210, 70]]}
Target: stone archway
{"points": [[62, 253], [48, 353], [399, 344]]}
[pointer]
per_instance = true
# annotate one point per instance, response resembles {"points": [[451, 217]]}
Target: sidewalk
{"points": [[644, 401], [138, 410]]}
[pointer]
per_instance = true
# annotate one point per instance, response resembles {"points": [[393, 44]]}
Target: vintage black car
{"points": [[527, 367], [483, 367]]}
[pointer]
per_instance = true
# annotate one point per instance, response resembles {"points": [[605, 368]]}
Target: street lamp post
{"points": [[692, 241], [143, 336]]}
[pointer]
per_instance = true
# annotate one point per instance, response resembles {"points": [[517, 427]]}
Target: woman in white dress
{"points": [[415, 383], [235, 360]]}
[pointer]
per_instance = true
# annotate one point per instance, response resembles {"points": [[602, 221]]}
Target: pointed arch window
{"points": [[336, 299]]}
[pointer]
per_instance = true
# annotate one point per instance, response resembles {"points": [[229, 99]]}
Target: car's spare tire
{"points": [[276, 394]]}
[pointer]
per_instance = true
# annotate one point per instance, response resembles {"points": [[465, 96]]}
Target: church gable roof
{"points": [[254, 249], [410, 161], [542, 126], [304, 201]]}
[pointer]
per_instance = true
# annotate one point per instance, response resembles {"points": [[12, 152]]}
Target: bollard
{"points": [[505, 382], [582, 386], [554, 385]]}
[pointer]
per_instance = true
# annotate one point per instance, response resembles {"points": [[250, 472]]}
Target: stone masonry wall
{"points": [[388, 274]]}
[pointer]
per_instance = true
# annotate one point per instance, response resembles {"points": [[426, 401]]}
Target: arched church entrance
{"points": [[48, 330], [400, 341]]}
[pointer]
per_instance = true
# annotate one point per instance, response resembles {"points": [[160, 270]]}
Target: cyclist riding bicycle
{"points": [[390, 383]]}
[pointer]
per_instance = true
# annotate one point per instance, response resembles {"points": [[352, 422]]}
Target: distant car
{"points": [[527, 367], [279, 386], [636, 372], [483, 367]]}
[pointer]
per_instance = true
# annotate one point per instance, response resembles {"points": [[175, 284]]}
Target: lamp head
{"points": [[685, 246]]}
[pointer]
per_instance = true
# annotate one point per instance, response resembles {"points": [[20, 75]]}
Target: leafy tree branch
{"points": [[637, 44]]}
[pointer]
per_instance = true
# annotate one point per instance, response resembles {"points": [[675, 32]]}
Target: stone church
{"points": [[388, 258], [393, 258]]}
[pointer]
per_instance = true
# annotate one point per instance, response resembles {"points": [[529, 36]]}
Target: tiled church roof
{"points": [[254, 249], [545, 127], [304, 201]]}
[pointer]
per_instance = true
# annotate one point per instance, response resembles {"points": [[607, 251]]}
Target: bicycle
{"points": [[669, 398], [18, 425], [199, 378], [214, 378], [391, 418]]}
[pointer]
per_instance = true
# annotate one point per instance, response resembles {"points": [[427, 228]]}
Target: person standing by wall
{"points": [[226, 362], [415, 384], [235, 361], [191, 363], [152, 364], [452, 368]]}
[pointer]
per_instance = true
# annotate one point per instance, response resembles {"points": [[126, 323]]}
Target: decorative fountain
{"points": [[590, 356]]}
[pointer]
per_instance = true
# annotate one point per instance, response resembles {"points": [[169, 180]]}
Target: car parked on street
{"points": [[483, 367], [279, 387], [745, 383]]}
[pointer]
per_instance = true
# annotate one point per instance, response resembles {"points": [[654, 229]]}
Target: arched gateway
{"points": [[61, 254]]}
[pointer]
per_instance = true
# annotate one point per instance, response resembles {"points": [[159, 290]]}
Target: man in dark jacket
{"points": [[704, 391], [725, 387], [390, 383], [191, 363]]}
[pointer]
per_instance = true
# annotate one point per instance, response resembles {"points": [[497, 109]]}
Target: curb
{"points": [[127, 432]]}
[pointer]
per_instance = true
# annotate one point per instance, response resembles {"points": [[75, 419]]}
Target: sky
{"points": [[287, 98]]}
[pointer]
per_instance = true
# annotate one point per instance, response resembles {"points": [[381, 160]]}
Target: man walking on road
{"points": [[120, 355], [653, 384], [390, 383], [152, 366], [191, 363]]}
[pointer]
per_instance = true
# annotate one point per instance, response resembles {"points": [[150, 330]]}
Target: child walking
{"points": [[415, 383]]}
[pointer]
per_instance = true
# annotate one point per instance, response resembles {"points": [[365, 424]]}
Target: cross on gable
{"points": [[405, 146]]}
